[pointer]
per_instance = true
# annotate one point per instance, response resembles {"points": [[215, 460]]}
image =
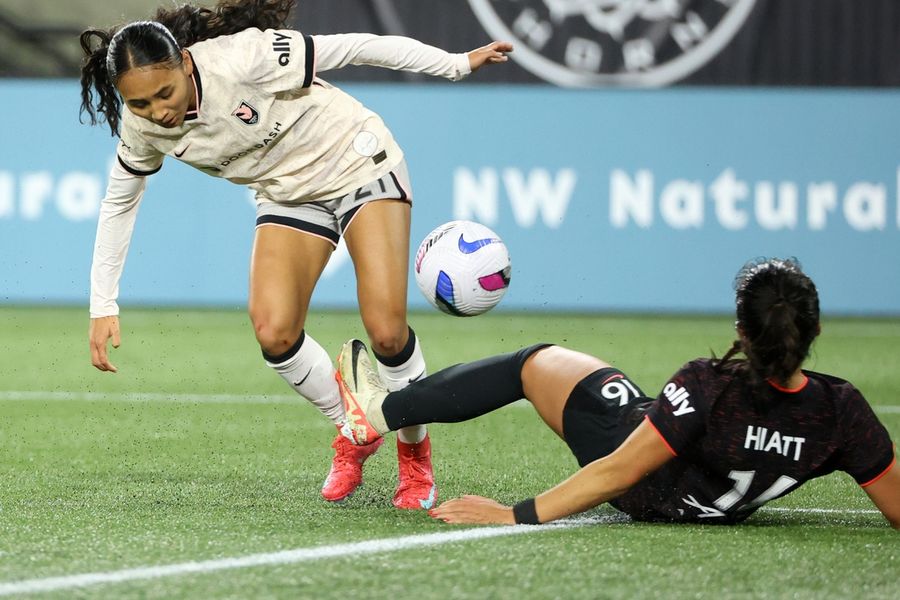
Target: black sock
{"points": [[460, 392]]}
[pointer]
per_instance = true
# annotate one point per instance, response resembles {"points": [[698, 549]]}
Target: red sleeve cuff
{"points": [[661, 436], [880, 475]]}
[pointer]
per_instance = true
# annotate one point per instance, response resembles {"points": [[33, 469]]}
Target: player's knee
{"points": [[387, 340], [520, 357], [275, 336]]}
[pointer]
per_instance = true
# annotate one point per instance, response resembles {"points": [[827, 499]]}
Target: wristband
{"points": [[525, 513]]}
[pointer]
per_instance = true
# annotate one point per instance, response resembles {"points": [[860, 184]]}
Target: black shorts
{"points": [[602, 410]]}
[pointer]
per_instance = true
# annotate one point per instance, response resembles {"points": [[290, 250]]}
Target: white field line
{"points": [[12, 395], [151, 397], [298, 555], [823, 511]]}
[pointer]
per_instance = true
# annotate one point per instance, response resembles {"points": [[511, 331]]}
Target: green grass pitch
{"points": [[195, 451]]}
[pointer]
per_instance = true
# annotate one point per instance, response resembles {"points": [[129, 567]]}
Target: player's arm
{"points": [[402, 53], [869, 456], [885, 493], [600, 481], [114, 228]]}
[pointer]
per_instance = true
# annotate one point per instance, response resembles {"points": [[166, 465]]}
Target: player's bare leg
{"points": [[378, 242], [285, 266], [550, 375]]}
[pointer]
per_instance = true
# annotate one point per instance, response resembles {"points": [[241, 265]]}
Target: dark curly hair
{"points": [[111, 52], [777, 318]]}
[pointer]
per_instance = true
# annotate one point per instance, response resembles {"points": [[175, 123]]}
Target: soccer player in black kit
{"points": [[723, 437]]}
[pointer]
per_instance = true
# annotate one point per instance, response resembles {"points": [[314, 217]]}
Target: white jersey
{"points": [[266, 120]]}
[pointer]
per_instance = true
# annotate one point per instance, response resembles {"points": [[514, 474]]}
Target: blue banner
{"points": [[608, 200]]}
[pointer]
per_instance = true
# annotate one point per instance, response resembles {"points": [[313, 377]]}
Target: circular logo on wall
{"points": [[585, 43]]}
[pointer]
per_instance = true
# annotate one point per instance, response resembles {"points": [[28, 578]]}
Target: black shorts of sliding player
{"points": [[460, 392], [602, 410]]}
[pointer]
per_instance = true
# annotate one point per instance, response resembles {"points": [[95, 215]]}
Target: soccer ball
{"points": [[462, 268]]}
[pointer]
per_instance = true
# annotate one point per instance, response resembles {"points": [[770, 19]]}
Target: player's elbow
{"points": [[628, 481], [892, 516], [614, 477], [631, 475], [618, 481]]}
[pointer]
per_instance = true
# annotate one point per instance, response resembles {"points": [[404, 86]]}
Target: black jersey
{"points": [[737, 447]]}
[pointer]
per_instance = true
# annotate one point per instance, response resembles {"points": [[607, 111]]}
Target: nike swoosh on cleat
{"points": [[470, 247], [428, 502], [305, 377], [354, 362]]}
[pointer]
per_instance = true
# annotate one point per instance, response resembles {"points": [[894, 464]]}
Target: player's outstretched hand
{"points": [[493, 53], [474, 509], [100, 332]]}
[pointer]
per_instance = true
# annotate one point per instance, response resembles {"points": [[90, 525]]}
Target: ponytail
{"points": [[775, 353], [95, 79], [777, 318], [160, 41], [192, 24]]}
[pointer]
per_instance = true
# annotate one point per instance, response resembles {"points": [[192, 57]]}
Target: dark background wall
{"points": [[812, 42], [779, 43], [782, 42]]}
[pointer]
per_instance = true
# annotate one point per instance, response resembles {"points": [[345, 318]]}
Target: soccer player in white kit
{"points": [[231, 92]]}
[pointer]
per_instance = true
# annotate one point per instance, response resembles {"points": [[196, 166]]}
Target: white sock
{"points": [[310, 373], [398, 377]]}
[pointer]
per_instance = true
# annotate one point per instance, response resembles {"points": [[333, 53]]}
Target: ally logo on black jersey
{"points": [[247, 114], [679, 397]]}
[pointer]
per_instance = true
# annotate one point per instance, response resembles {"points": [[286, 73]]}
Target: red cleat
{"points": [[416, 490], [346, 468]]}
